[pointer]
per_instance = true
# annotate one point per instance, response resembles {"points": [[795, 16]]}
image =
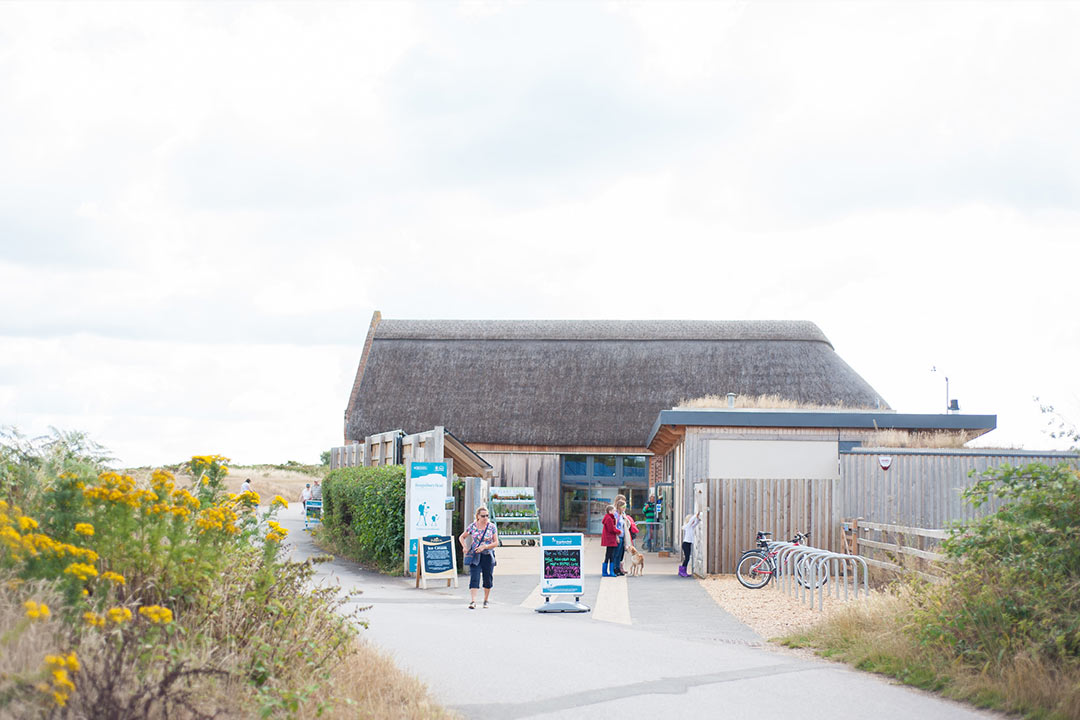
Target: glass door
{"points": [[665, 515]]}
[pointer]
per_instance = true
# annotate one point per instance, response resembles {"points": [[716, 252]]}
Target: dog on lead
{"points": [[637, 561]]}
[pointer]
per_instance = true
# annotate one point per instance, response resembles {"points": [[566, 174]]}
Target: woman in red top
{"points": [[610, 540]]}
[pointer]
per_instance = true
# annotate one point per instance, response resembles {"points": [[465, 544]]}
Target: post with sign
{"points": [[560, 572], [437, 560], [427, 485]]}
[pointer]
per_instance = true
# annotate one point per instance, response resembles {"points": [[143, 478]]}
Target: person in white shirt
{"points": [[246, 486], [305, 494], [689, 525]]}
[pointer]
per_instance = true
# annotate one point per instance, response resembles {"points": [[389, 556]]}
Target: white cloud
{"points": [[200, 205]]}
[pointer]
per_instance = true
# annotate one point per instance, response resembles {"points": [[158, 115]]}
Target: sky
{"points": [[202, 204]]}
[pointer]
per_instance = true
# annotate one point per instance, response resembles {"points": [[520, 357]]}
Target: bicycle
{"points": [[758, 566]]}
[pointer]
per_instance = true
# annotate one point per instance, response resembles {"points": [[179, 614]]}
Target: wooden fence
{"points": [[895, 547], [391, 448], [739, 508]]}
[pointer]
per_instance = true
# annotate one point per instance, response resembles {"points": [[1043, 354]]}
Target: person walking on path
{"points": [[609, 540], [479, 542], [649, 512], [316, 491], [689, 525]]}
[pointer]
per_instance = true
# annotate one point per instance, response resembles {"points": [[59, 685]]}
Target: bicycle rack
{"points": [[809, 569]]}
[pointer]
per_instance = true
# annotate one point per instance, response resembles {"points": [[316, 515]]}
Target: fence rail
{"points": [[896, 547]]}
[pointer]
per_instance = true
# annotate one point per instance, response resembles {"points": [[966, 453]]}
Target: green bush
{"points": [[1015, 589], [364, 514]]}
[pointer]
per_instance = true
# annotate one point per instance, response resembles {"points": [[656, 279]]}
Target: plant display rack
{"points": [[514, 510]]}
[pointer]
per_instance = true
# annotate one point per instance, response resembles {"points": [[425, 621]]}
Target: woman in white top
{"points": [[689, 525]]}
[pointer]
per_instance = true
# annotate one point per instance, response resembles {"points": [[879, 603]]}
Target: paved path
{"points": [[654, 646]]}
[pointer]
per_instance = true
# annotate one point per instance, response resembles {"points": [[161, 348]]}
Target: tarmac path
{"points": [[653, 646]]}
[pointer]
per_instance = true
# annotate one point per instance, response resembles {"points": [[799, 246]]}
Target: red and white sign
{"points": [[885, 461]]}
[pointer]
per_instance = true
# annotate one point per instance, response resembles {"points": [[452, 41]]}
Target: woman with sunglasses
{"points": [[478, 541]]}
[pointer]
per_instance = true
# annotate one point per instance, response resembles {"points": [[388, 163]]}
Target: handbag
{"points": [[473, 558]]}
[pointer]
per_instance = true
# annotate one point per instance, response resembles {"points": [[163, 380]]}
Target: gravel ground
{"points": [[769, 611]]}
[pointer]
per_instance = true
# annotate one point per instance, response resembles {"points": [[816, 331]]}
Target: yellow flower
{"points": [[156, 614], [72, 661], [116, 578], [205, 480], [84, 529], [81, 570], [119, 614], [27, 523], [278, 500], [36, 611], [93, 619]]}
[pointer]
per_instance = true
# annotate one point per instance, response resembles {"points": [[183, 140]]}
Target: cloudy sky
{"points": [[201, 205]]}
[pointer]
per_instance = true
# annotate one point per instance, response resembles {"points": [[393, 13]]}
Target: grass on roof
{"points": [[759, 402]]}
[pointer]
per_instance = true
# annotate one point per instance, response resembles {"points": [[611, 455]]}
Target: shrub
{"points": [[363, 514], [1003, 629], [128, 601], [1016, 587]]}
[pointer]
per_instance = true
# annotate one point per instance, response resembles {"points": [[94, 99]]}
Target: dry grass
{"points": [[371, 686], [761, 402], [267, 480], [872, 636], [931, 439], [24, 645]]}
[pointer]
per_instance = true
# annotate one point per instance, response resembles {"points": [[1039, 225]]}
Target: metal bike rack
{"points": [[817, 566]]}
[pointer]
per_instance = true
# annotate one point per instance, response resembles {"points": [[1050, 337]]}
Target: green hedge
{"points": [[364, 511]]}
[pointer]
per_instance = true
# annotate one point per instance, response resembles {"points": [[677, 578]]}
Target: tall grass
{"points": [[1003, 629]]}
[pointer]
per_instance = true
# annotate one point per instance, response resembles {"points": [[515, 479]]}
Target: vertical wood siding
{"points": [[536, 470], [739, 508], [922, 488]]}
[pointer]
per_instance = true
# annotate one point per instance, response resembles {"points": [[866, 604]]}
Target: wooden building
{"points": [[572, 408]]}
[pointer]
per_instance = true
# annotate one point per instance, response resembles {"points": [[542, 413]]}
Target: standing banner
{"points": [[425, 508], [437, 560], [560, 571], [562, 564]]}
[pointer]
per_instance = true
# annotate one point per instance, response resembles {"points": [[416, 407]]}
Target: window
{"points": [[603, 466], [635, 466], [575, 464]]}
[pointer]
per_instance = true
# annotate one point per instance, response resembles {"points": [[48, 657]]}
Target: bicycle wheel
{"points": [[754, 570]]}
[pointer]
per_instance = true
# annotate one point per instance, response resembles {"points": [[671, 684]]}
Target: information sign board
{"points": [[425, 514], [560, 572], [437, 559]]}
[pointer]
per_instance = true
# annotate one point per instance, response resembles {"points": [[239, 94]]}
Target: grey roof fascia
{"points": [[981, 452], [834, 419]]}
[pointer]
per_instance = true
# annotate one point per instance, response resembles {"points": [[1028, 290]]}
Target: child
{"points": [[689, 525], [610, 540]]}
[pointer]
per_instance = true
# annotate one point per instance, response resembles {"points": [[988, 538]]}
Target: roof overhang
{"points": [[466, 462], [668, 420]]}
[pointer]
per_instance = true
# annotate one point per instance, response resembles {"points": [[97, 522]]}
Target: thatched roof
{"points": [[581, 382]]}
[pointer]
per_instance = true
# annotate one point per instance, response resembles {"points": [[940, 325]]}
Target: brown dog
{"points": [[637, 562]]}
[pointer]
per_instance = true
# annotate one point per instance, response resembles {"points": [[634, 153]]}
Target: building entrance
{"points": [[591, 482]]}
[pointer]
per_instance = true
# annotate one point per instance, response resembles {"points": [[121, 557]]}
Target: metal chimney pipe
{"points": [[731, 400]]}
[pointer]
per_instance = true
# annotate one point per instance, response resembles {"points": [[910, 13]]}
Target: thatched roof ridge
{"points": [[585, 383], [639, 330]]}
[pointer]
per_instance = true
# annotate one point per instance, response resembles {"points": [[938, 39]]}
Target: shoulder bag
{"points": [[472, 557]]}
